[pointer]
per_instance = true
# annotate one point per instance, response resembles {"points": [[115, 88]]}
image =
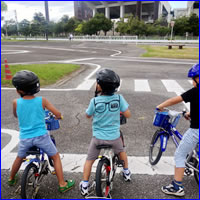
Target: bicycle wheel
{"points": [[28, 185], [196, 174], [155, 151], [102, 178]]}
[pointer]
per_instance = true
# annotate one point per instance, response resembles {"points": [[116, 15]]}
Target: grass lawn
{"points": [[164, 52], [47, 73]]}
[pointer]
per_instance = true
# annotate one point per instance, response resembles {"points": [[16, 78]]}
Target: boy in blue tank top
{"points": [[30, 111], [105, 110]]}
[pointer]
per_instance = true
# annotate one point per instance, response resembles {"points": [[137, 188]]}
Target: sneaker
{"points": [[170, 189], [127, 177], [84, 190]]}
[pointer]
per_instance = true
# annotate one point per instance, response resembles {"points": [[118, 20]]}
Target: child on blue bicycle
{"points": [[30, 111], [191, 136], [105, 110]]}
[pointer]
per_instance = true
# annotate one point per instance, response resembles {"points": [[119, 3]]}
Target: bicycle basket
{"points": [[51, 122], [175, 120], [161, 119]]}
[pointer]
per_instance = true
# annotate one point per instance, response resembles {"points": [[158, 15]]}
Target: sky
{"points": [[26, 9]]}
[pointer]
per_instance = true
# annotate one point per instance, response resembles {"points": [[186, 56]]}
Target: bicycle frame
{"points": [[166, 133]]}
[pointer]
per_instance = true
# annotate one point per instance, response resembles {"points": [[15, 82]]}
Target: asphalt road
{"points": [[74, 135]]}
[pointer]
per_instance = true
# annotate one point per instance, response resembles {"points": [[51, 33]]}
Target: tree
{"points": [[181, 26], [24, 27], [193, 24], [71, 25], [4, 8], [11, 27]]}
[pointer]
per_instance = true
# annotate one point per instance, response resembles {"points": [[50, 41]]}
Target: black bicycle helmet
{"points": [[26, 81], [108, 80]]}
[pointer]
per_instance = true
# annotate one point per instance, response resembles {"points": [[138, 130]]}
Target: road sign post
{"points": [[172, 27]]}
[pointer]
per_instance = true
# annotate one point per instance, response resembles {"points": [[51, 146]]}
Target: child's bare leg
{"points": [[59, 170], [15, 167], [123, 157], [87, 169]]}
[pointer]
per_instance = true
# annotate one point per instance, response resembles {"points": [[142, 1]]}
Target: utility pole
{"points": [[47, 17], [17, 22]]}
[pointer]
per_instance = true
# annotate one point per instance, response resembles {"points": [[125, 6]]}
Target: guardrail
{"points": [[124, 39]]}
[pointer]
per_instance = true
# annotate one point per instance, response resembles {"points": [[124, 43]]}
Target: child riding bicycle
{"points": [[30, 111], [191, 136], [105, 110]]}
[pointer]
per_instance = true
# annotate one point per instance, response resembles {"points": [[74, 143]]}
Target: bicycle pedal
{"points": [[120, 163], [53, 172]]}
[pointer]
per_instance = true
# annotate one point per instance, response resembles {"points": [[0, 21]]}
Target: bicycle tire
{"points": [[27, 184], [155, 159], [102, 175], [196, 174]]}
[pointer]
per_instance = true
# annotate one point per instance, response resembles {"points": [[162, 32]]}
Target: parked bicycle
{"points": [[39, 165], [106, 169], [167, 122]]}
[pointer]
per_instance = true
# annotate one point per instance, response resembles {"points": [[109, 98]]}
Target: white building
{"points": [[193, 7], [149, 11]]}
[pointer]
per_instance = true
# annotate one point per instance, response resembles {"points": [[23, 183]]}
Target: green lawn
{"points": [[47, 73], [164, 52]]}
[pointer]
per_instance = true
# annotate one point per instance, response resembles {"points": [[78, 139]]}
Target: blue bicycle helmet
{"points": [[194, 71]]}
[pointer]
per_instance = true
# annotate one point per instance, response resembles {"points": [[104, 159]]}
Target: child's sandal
{"points": [[70, 184], [13, 181]]}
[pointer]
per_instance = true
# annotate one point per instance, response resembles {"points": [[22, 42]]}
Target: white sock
{"points": [[126, 171], [85, 183]]}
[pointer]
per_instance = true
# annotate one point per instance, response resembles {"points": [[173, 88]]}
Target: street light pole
{"points": [[47, 17]]}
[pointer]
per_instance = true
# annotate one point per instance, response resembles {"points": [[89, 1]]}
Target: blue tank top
{"points": [[31, 117]]}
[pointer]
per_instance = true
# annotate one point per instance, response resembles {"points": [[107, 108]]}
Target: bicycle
{"points": [[167, 122], [39, 165], [106, 168]]}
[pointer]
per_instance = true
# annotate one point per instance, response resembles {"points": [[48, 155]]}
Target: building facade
{"points": [[193, 7], [148, 11]]}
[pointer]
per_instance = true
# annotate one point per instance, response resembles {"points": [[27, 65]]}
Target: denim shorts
{"points": [[93, 152], [43, 142], [187, 144]]}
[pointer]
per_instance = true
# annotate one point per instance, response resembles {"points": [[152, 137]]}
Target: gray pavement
{"points": [[74, 135]]}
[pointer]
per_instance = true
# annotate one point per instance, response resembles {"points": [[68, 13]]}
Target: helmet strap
{"points": [[96, 92]]}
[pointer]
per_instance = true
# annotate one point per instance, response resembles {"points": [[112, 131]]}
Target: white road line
{"points": [[173, 86], [49, 48], [190, 81], [13, 52], [74, 162], [86, 85], [142, 85], [120, 85]]}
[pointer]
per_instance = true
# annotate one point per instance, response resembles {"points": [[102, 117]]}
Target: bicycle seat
{"points": [[33, 151], [104, 146]]}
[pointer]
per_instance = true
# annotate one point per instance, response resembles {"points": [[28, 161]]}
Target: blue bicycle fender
{"points": [[163, 140]]}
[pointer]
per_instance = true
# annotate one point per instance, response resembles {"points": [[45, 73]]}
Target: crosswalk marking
{"points": [[142, 85], [172, 86]]}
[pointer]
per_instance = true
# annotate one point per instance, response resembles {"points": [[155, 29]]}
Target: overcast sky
{"points": [[26, 9]]}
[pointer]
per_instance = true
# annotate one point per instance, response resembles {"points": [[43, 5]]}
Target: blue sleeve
{"points": [[90, 110], [123, 104]]}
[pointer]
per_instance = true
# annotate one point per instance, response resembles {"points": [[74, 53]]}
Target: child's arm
{"points": [[15, 107], [46, 104], [127, 113], [170, 102], [88, 116]]}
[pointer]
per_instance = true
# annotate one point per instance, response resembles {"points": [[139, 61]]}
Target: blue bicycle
{"points": [[167, 122], [39, 165]]}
